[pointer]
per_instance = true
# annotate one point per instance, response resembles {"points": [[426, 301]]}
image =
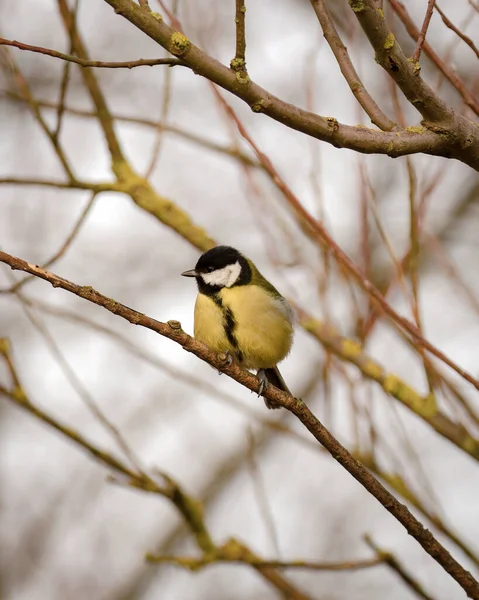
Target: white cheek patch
{"points": [[225, 277]]}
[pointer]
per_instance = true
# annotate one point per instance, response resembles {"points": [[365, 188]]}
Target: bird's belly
{"points": [[209, 325], [263, 330]]}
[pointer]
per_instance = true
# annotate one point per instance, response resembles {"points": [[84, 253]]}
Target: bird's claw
{"points": [[227, 358], [263, 382]]}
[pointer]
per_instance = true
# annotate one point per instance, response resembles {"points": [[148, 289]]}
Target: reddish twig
{"points": [[450, 25], [328, 129], [422, 34], [445, 69], [350, 74], [318, 231]]}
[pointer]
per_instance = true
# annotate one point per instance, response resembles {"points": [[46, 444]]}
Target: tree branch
{"points": [[172, 330], [328, 129], [230, 554], [450, 25], [190, 508], [422, 34], [347, 68], [238, 64], [142, 62], [395, 565], [318, 232], [445, 69]]}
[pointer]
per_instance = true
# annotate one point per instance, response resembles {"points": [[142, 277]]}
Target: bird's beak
{"points": [[190, 273]]}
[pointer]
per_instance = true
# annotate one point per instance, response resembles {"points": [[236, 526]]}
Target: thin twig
{"points": [[395, 565], [83, 393], [180, 375], [63, 248], [169, 128], [173, 331], [238, 64], [422, 34], [194, 564], [165, 105], [65, 185], [22, 84], [65, 77], [450, 25], [131, 64], [317, 231], [261, 493], [327, 129], [350, 74], [446, 69]]}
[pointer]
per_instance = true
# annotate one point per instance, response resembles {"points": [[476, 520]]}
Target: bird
{"points": [[240, 313]]}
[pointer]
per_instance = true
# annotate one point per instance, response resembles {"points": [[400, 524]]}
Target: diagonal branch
{"points": [[189, 507], [238, 64], [318, 232], [172, 330], [446, 70], [396, 566], [422, 34], [450, 25], [347, 68]]}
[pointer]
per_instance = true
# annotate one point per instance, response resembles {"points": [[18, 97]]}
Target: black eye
{"points": [[210, 269]]}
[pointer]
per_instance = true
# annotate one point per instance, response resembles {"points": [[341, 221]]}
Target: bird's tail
{"points": [[275, 378]]}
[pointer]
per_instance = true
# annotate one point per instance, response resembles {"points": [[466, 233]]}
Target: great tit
{"points": [[240, 313]]}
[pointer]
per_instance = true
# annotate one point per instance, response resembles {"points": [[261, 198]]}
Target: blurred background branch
{"points": [[168, 152]]}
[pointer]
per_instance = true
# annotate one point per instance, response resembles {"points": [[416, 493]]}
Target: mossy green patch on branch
{"points": [[259, 106], [416, 129], [242, 77], [350, 349], [19, 394], [389, 42], [372, 369], [357, 5], [237, 64], [179, 43]]}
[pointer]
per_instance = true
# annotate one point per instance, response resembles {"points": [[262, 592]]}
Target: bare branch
{"points": [[396, 566], [422, 34], [63, 248], [65, 185], [317, 231], [327, 129], [172, 330], [465, 38], [224, 555], [142, 62], [238, 64], [447, 71], [347, 68]]}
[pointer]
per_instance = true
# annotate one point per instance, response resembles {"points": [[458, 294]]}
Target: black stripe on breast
{"points": [[229, 324]]}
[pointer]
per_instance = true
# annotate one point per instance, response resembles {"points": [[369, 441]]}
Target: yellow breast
{"points": [[209, 325], [262, 328]]}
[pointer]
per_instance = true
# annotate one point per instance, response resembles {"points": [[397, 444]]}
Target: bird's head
{"points": [[220, 267]]}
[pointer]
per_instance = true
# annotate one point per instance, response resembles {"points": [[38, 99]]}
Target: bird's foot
{"points": [[261, 374], [227, 358]]}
